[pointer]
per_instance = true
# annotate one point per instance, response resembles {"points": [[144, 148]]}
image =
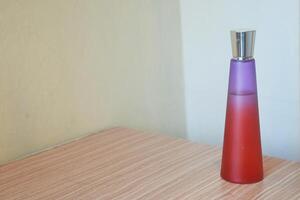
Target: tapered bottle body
{"points": [[242, 153]]}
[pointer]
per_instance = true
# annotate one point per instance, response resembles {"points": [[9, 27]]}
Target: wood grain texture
{"points": [[128, 164]]}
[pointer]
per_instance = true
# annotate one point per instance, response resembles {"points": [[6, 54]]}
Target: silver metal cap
{"points": [[242, 43]]}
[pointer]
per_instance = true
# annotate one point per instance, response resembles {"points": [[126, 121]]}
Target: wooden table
{"points": [[127, 164]]}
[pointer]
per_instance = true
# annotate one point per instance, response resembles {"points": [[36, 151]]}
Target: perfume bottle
{"points": [[242, 154]]}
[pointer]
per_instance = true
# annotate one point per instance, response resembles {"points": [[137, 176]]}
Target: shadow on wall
{"points": [[69, 68]]}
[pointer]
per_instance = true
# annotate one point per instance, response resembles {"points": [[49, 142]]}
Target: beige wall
{"points": [[69, 68]]}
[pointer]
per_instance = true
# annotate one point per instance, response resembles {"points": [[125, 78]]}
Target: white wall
{"points": [[147, 73], [70, 68], [206, 50]]}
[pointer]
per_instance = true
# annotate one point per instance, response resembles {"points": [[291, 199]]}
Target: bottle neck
{"points": [[242, 58]]}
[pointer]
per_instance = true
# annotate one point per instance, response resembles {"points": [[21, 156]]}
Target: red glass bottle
{"points": [[242, 154]]}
